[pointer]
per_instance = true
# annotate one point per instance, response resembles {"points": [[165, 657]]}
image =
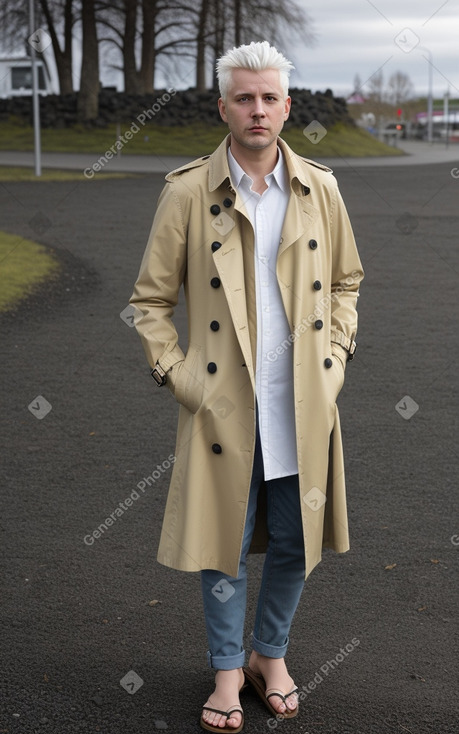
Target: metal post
{"points": [[35, 98], [429, 95], [446, 116], [430, 103]]}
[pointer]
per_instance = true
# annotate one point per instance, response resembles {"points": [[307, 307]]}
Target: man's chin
{"points": [[258, 141]]}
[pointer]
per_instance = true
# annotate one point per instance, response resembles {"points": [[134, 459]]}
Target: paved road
{"points": [[78, 618], [417, 153]]}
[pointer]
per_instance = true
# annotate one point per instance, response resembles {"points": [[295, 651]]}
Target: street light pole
{"points": [[430, 95], [446, 116], [35, 98]]}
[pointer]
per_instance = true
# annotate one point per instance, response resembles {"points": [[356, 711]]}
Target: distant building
{"points": [[16, 77], [356, 98], [442, 125]]}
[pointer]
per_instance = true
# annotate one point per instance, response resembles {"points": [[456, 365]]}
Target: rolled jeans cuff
{"points": [[226, 662], [269, 651]]}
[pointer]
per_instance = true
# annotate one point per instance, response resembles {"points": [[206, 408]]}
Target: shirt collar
{"points": [[279, 172]]}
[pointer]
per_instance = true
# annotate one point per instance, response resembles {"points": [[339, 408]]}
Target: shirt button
{"points": [[211, 367], [317, 285], [318, 324], [216, 448], [313, 244], [214, 325], [227, 203], [215, 209], [328, 363], [215, 246], [215, 282]]}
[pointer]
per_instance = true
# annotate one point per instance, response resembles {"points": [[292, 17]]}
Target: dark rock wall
{"points": [[168, 108]]}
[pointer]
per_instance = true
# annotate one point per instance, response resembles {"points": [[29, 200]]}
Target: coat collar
{"points": [[297, 170]]}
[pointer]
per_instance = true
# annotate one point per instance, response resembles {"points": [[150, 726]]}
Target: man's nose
{"points": [[258, 108]]}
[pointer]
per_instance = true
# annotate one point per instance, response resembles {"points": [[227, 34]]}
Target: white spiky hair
{"points": [[256, 56]]}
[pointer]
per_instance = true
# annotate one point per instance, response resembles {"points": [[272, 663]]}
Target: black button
{"points": [[313, 244], [214, 325], [215, 209], [216, 448], [318, 324], [215, 246], [317, 285], [211, 367], [328, 363], [215, 282], [306, 190], [227, 203]]}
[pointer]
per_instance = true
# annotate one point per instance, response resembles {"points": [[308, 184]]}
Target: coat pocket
{"points": [[337, 372], [189, 386]]}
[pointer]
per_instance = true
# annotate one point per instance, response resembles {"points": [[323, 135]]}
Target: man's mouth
{"points": [[256, 128]]}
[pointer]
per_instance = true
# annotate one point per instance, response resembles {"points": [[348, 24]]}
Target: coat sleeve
{"points": [[347, 274], [156, 290]]}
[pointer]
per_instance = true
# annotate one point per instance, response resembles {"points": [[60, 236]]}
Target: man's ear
{"points": [[288, 104], [222, 110]]}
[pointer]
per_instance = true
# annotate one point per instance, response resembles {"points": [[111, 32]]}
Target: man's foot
{"points": [[275, 674], [228, 683]]}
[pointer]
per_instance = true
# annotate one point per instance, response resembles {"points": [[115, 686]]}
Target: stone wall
{"points": [[168, 108]]}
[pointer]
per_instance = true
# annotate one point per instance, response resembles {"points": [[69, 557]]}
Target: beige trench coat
{"points": [[211, 253]]}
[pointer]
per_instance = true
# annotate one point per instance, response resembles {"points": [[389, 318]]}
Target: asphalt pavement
{"points": [[97, 636], [416, 153]]}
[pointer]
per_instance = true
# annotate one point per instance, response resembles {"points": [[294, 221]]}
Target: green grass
{"points": [[341, 140], [10, 173], [194, 140], [23, 265]]}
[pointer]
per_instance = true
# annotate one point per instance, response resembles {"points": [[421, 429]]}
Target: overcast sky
{"points": [[362, 36]]}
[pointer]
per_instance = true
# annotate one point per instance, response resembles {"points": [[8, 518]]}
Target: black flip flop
{"points": [[258, 684], [225, 729]]}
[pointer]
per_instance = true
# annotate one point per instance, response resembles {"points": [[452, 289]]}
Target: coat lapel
{"points": [[299, 217]]}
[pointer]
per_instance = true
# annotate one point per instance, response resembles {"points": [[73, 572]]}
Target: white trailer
{"points": [[16, 77]]}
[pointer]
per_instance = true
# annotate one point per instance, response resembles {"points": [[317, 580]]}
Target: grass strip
{"points": [[193, 140], [24, 264]]}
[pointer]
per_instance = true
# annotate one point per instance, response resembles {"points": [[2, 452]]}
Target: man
{"points": [[261, 241]]}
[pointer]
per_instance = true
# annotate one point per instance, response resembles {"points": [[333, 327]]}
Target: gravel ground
{"points": [[375, 640]]}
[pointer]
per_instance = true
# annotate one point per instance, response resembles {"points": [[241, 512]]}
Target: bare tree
{"points": [[88, 96], [57, 17], [399, 87], [232, 22], [357, 89], [147, 29], [61, 14], [375, 86], [201, 42]]}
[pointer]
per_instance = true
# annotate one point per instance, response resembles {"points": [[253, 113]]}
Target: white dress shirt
{"points": [[274, 377]]}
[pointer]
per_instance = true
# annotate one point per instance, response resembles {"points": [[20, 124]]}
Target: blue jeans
{"points": [[282, 582]]}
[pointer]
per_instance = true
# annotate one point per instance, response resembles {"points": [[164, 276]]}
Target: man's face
{"points": [[255, 109]]}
